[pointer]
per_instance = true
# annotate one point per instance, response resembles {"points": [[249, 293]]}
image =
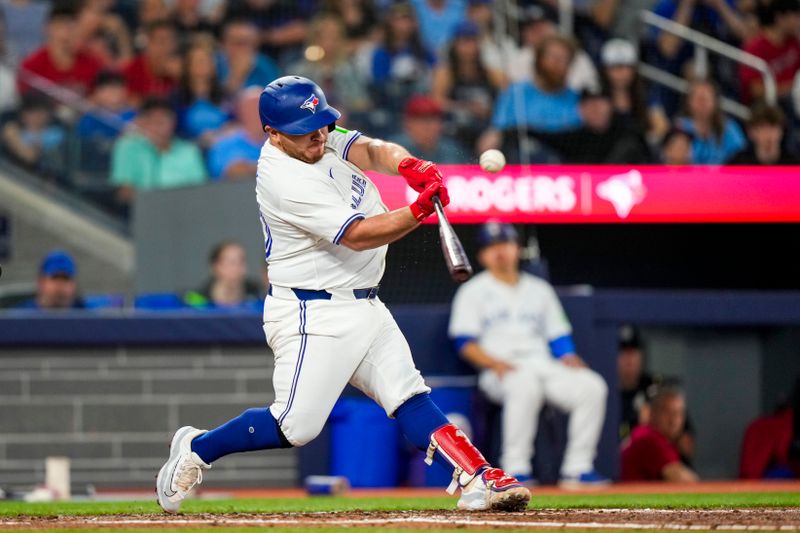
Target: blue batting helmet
{"points": [[295, 105], [494, 232]]}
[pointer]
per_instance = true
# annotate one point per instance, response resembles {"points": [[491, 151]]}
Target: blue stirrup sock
{"points": [[418, 418], [255, 429]]}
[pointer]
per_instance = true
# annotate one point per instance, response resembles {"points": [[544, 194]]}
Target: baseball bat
{"points": [[454, 255]]}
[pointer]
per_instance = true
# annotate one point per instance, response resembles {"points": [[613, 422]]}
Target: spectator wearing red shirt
{"points": [[61, 59], [155, 72], [771, 444], [651, 453], [765, 447], [776, 44]]}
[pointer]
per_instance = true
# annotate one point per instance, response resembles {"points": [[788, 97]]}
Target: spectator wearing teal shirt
{"points": [[716, 138], [544, 104], [235, 155], [153, 158]]}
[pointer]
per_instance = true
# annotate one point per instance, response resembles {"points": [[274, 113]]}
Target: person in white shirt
{"points": [[326, 233], [511, 326]]}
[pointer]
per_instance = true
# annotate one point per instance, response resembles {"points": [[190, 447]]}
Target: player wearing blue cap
{"points": [[326, 233], [511, 326], [56, 287]]}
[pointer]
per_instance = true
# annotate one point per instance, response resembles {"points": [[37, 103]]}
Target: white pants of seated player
{"points": [[322, 345], [581, 392]]}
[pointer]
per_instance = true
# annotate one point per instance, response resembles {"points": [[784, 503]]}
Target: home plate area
{"points": [[769, 519]]}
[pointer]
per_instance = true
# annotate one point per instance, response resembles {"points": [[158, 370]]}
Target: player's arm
{"points": [[373, 232], [466, 328], [563, 349], [677, 472], [477, 356], [558, 330], [390, 158], [374, 154]]}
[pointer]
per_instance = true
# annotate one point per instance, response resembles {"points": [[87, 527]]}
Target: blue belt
{"points": [[307, 294]]}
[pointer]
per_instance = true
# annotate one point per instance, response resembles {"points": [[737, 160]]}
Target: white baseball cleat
{"points": [[494, 490], [182, 471]]}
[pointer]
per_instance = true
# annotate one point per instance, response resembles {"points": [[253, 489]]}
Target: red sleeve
{"points": [[766, 441], [660, 454], [135, 77], [646, 456], [32, 63], [88, 68], [756, 450], [748, 75]]}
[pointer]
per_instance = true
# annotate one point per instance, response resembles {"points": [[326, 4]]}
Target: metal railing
{"points": [[73, 104], [681, 85], [703, 44]]}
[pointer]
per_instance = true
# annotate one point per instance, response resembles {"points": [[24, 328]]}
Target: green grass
{"points": [[280, 505]]}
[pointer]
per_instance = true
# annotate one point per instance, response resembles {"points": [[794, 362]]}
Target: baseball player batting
{"points": [[326, 233]]}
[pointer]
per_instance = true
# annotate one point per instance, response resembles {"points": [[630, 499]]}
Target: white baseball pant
{"points": [[320, 346], [581, 392]]}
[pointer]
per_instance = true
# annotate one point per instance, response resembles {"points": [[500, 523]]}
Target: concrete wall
{"points": [[113, 412], [29, 242], [174, 231], [38, 218]]}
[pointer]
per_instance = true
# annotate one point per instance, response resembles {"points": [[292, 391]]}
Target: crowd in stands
{"points": [[172, 84]]}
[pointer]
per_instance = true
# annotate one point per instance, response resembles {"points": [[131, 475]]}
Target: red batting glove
{"points": [[423, 207], [419, 173]]}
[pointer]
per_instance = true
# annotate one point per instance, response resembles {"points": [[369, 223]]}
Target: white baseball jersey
{"points": [[305, 210], [517, 324], [322, 345], [509, 323]]}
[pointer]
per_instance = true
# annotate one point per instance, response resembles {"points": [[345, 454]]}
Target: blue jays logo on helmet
{"points": [[310, 103], [285, 104]]}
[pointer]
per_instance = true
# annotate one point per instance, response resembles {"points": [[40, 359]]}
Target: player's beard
{"points": [[304, 155], [308, 149]]}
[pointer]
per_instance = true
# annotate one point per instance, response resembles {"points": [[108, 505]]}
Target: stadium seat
{"points": [[159, 301], [104, 301]]}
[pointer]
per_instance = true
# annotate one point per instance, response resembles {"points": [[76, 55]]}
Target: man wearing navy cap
{"points": [[511, 326], [56, 287]]}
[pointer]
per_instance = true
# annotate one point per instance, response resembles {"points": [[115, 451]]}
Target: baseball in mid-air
{"points": [[492, 160]]}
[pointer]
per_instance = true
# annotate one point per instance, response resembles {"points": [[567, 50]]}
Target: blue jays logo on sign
{"points": [[311, 103]]}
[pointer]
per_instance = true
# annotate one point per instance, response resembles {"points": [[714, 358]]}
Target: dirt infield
{"points": [[704, 487], [618, 519]]}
